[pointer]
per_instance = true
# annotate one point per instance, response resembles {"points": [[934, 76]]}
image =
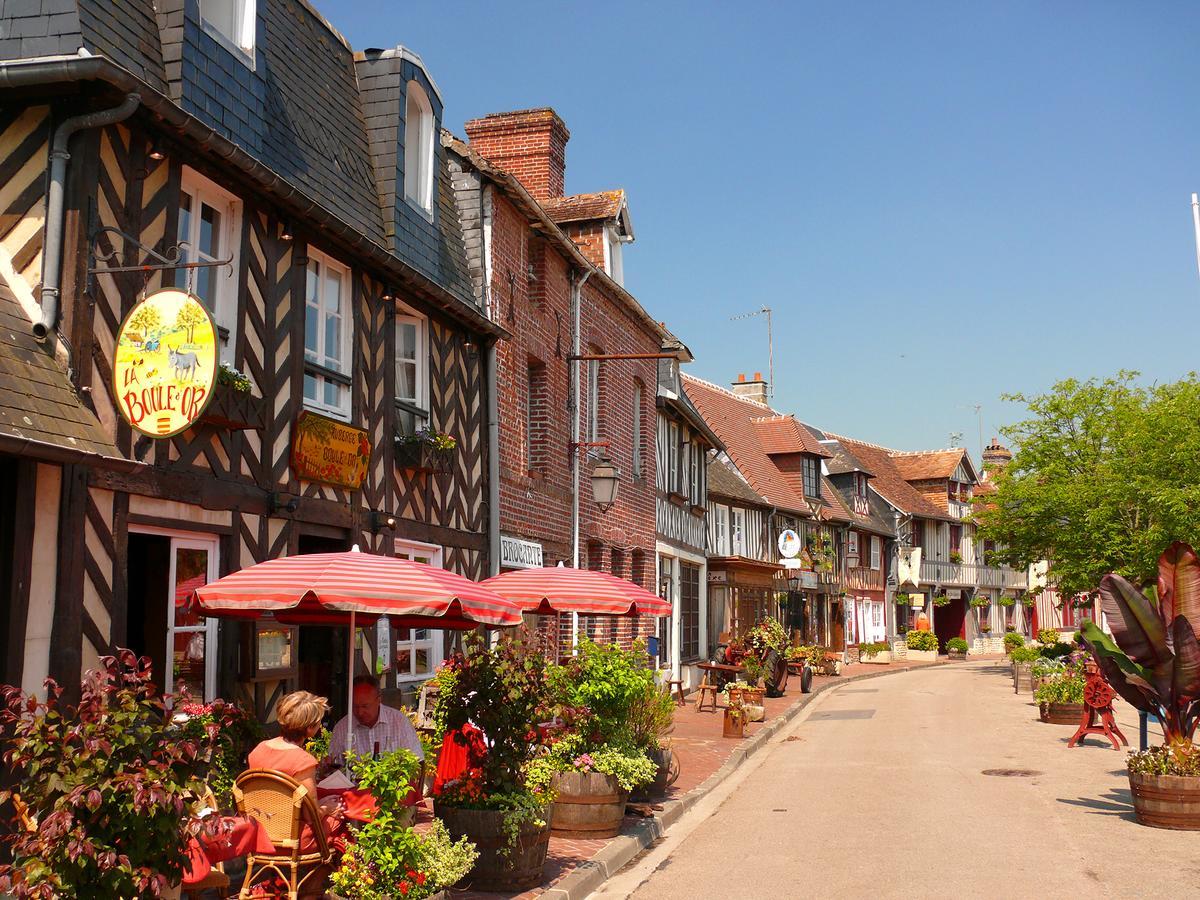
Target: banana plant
{"points": [[1154, 663]]}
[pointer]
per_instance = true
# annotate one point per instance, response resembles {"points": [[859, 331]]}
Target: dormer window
{"points": [[811, 469], [418, 148], [231, 22], [613, 265], [860, 485]]}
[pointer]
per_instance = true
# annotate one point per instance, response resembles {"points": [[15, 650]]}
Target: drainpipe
{"points": [[493, 402], [577, 284], [55, 201]]}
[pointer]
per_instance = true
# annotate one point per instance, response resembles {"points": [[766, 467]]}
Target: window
{"points": [[876, 552], [418, 650], [811, 469], [689, 612], [852, 544], [637, 430], [418, 148], [697, 469], [593, 401], [737, 531], [720, 530], [209, 230], [860, 484], [955, 538], [231, 22], [613, 264], [327, 324], [673, 459], [918, 534], [685, 462], [412, 371]]}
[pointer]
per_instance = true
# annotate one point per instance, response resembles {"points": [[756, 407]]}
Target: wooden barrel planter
{"points": [[1022, 673], [517, 870], [753, 696], [1061, 713], [1166, 801], [668, 772], [588, 805]]}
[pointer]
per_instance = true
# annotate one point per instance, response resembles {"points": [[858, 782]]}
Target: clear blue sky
{"points": [[942, 202]]}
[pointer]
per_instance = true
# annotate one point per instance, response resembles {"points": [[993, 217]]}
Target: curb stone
{"points": [[589, 875]]}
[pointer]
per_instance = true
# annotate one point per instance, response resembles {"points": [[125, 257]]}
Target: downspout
{"points": [[55, 201], [576, 349], [493, 402]]}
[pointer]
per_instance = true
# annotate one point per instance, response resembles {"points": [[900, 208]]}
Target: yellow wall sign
{"points": [[166, 363], [330, 451]]}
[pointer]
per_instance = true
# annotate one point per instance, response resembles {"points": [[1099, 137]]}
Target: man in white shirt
{"points": [[376, 727]]}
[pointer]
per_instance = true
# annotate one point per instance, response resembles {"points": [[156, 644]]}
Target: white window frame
{"points": [[637, 430], [673, 457], [202, 190], [242, 40], [406, 316], [189, 540], [433, 641], [876, 552], [852, 544], [418, 148], [721, 529], [346, 363], [737, 531]]}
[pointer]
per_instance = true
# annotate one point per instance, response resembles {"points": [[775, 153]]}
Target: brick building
{"points": [[539, 259]]}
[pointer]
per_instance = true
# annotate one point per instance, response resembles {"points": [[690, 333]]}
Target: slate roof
{"points": [[601, 205], [890, 482], [733, 419], [725, 481], [37, 402], [924, 465]]}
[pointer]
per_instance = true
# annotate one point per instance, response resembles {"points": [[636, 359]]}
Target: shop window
{"points": [[209, 230], [412, 372], [418, 148], [418, 651], [327, 336]]}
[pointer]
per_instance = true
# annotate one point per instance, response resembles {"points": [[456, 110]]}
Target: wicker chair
{"points": [[282, 806]]}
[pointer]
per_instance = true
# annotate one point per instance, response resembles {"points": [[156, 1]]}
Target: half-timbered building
{"points": [[305, 186]]}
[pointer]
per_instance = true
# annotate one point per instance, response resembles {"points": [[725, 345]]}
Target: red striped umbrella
{"points": [[353, 587], [559, 589]]}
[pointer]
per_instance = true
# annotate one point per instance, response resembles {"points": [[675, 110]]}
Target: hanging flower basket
{"points": [[426, 451], [235, 408]]}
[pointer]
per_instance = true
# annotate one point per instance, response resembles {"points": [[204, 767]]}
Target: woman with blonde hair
{"points": [[299, 715]]}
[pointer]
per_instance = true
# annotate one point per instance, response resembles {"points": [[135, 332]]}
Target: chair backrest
{"points": [[28, 822], [281, 806]]}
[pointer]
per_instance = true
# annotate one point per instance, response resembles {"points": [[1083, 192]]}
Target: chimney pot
{"points": [[741, 376], [758, 376]]}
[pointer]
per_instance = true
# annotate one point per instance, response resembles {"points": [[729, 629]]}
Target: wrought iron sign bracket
{"points": [[168, 261]]}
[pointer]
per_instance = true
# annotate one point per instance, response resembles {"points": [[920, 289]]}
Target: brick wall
{"points": [[530, 143]]}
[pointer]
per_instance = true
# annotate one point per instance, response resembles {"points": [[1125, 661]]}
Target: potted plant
{"points": [[233, 406], [955, 557], [769, 640], [1060, 697], [1007, 602], [425, 450], [1028, 600], [901, 598], [956, 648], [922, 645], [95, 776], [1047, 636], [1012, 641], [941, 600], [592, 768], [875, 653], [388, 858], [1022, 659], [1154, 665], [752, 694], [734, 723], [502, 690], [981, 601], [651, 719]]}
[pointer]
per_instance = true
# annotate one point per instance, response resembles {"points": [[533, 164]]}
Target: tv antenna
{"points": [[956, 438], [765, 311]]}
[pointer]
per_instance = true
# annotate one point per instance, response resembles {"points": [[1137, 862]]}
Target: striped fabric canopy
{"points": [[325, 588], [560, 589]]}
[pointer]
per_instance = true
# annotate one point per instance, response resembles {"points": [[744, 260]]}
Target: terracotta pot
{"points": [[588, 805], [517, 870], [753, 696], [1060, 713], [1166, 801]]}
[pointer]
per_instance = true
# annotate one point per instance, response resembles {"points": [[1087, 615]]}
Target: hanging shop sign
{"points": [[165, 363], [329, 451], [518, 554], [789, 543]]}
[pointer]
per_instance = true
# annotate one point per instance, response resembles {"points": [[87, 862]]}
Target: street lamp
{"points": [[605, 481], [793, 580]]}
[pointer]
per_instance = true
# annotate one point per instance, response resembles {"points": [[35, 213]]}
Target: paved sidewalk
{"points": [[575, 867]]}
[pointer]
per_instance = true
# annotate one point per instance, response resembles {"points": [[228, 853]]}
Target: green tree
{"points": [[188, 317], [146, 320], [1105, 474]]}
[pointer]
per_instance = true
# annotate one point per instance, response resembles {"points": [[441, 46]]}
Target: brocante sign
{"points": [[165, 363], [329, 451]]}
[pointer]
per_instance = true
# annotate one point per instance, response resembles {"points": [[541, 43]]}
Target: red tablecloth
{"points": [[360, 805], [237, 837]]}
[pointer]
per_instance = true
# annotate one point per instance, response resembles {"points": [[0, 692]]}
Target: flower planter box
{"points": [[921, 655], [1166, 801], [587, 805], [517, 869], [957, 654], [1060, 713], [235, 410], [418, 457], [1022, 674], [881, 658]]}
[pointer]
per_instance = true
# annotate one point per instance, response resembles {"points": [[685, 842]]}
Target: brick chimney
{"points": [[996, 456], [529, 143], [755, 389]]}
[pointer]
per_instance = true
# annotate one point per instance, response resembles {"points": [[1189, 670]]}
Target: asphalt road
{"points": [[879, 790]]}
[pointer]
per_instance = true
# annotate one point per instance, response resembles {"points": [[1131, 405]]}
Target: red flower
{"points": [[420, 878], [404, 886]]}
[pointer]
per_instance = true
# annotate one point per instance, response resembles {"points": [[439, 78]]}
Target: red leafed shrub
{"points": [[107, 780]]}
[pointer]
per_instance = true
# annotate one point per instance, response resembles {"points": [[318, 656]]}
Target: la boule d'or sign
{"points": [[165, 363], [789, 543]]}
